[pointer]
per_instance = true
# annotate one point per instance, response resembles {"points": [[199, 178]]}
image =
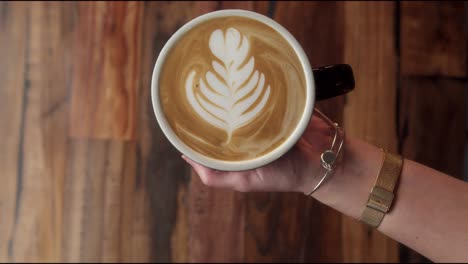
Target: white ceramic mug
{"points": [[335, 80]]}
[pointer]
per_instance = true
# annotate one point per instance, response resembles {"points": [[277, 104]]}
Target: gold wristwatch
{"points": [[382, 194]]}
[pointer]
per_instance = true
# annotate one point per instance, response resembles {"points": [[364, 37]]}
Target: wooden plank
{"points": [[292, 227], [54, 20], [14, 26], [160, 214], [95, 207], [43, 226], [129, 210], [432, 123], [314, 26], [204, 208], [36, 232], [203, 7], [106, 68], [289, 227], [374, 65], [370, 111], [433, 39], [220, 211], [216, 221]]}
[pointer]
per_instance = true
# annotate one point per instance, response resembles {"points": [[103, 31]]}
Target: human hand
{"points": [[297, 171]]}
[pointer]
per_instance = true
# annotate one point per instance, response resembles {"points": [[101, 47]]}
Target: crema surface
{"points": [[232, 88]]}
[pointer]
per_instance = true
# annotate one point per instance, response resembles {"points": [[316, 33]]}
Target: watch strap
{"points": [[382, 194]]}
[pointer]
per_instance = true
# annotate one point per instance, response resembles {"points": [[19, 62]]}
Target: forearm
{"points": [[430, 211]]}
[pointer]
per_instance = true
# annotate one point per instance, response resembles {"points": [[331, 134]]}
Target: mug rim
{"points": [[241, 165]]}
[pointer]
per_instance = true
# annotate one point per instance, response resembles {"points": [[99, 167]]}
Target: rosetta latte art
{"points": [[234, 93], [232, 88]]}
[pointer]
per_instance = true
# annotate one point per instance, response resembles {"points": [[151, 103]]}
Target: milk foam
{"points": [[236, 93], [232, 89]]}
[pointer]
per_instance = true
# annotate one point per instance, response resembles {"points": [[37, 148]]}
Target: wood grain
{"points": [[290, 227], [53, 23], [43, 222], [93, 186], [14, 27], [370, 50], [433, 38], [105, 76], [221, 211], [370, 111], [163, 176], [202, 7], [35, 233], [432, 118], [88, 176], [216, 219]]}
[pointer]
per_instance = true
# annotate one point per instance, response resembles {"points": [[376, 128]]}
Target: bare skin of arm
{"points": [[429, 213]]}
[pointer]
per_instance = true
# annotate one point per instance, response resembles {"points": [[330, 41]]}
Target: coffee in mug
{"points": [[232, 88]]}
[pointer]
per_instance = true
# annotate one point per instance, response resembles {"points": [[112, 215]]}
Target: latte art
{"points": [[236, 93], [232, 88]]}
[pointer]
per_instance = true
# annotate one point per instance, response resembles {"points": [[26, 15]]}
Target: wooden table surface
{"points": [[87, 175]]}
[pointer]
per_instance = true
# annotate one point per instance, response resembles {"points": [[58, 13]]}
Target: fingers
{"points": [[208, 176], [201, 170], [281, 175], [221, 179]]}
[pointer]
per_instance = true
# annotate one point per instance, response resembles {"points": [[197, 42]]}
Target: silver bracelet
{"points": [[329, 157]]}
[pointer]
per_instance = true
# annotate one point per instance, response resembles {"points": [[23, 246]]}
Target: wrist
{"points": [[347, 189]]}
